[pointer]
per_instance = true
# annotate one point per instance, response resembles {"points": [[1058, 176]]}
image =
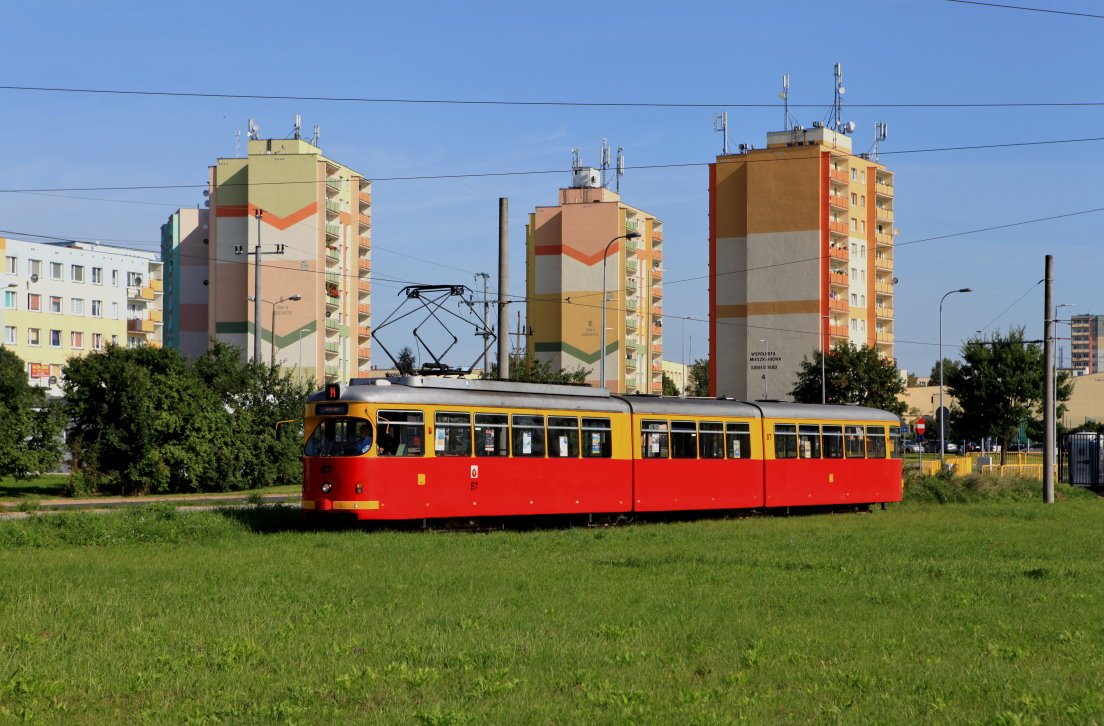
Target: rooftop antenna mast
{"points": [[836, 122], [317, 135], [620, 166], [298, 134], [237, 143], [881, 131], [720, 123], [254, 131], [605, 162], [788, 121], [576, 161]]}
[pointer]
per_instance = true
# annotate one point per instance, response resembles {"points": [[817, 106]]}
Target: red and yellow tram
{"points": [[441, 448]]}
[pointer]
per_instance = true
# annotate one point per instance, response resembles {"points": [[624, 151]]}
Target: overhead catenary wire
{"points": [[1051, 11], [535, 103]]}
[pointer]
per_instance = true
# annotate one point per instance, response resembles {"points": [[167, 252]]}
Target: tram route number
{"points": [[474, 477]]}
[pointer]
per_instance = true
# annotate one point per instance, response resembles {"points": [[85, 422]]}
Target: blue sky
{"points": [[893, 52]]}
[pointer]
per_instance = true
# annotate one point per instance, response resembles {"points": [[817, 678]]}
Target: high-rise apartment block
{"points": [[568, 247], [1086, 350], [800, 258], [66, 299], [310, 219]]}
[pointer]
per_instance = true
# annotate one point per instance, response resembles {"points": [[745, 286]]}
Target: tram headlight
{"points": [[326, 487]]}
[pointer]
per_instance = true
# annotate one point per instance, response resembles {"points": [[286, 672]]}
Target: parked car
{"points": [[949, 447], [914, 447]]}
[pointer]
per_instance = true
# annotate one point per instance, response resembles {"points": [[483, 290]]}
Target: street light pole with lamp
{"points": [[942, 383], [602, 351], [272, 330], [242, 250]]}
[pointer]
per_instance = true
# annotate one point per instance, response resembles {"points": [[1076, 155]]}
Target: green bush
{"points": [[946, 488]]}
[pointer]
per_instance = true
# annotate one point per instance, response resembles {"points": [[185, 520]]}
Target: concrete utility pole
{"points": [[486, 334], [1048, 384], [258, 326], [503, 288]]}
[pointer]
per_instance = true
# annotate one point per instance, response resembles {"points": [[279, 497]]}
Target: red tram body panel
{"points": [[441, 448]]}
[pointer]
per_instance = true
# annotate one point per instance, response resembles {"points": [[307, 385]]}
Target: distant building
{"points": [[316, 295], [67, 299], [800, 258], [565, 246], [184, 244], [1086, 351]]}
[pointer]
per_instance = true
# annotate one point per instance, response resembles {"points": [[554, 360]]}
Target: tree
{"points": [[30, 423], [699, 378], [1000, 386], [950, 368], [530, 369], [406, 362], [670, 388], [853, 374]]}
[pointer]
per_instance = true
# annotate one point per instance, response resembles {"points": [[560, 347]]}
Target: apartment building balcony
{"points": [[139, 325], [838, 175], [630, 362], [156, 316], [657, 292], [632, 225], [364, 309], [837, 331], [838, 252], [657, 348], [883, 262], [364, 220], [331, 371], [657, 327], [333, 185], [884, 214], [838, 227], [631, 286], [333, 348], [657, 255], [838, 304], [883, 239], [364, 286], [657, 274], [364, 331], [364, 264], [631, 246], [884, 337], [886, 288], [364, 353], [631, 305], [632, 345], [838, 201], [333, 231], [632, 322], [365, 199], [657, 311], [333, 253], [333, 207], [884, 312], [631, 267], [332, 326], [883, 190], [657, 236]]}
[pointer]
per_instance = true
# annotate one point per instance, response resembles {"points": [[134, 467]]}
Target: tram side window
{"points": [[491, 437], [401, 433], [895, 450], [853, 441], [452, 434], [875, 442], [808, 441], [597, 438], [528, 435], [563, 437], [711, 439], [785, 441], [684, 440], [738, 440], [833, 441], [340, 437], [654, 440]]}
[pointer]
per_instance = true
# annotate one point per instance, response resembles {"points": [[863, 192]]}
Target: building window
{"points": [[34, 336], [55, 270], [55, 304], [862, 201], [76, 273], [114, 339], [76, 340], [97, 341], [114, 311], [9, 300], [34, 302], [854, 274], [862, 301], [97, 275], [134, 279], [76, 306], [854, 324], [115, 278], [854, 248], [11, 264], [55, 338], [854, 224], [854, 199], [864, 247], [34, 267], [854, 174], [863, 225], [97, 308], [9, 334], [854, 299]]}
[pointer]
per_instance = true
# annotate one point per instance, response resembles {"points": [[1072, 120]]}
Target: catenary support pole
{"points": [[503, 289], [1048, 384]]}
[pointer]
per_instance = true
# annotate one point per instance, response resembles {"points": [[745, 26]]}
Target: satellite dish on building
{"points": [[34, 278]]}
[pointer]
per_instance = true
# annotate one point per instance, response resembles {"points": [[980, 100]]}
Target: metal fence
{"points": [[1081, 459]]}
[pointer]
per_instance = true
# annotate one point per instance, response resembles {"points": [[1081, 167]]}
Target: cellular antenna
{"points": [[835, 120], [620, 166], [881, 131], [605, 162], [317, 135], [720, 123], [788, 121], [298, 133], [237, 143], [254, 131], [576, 161]]}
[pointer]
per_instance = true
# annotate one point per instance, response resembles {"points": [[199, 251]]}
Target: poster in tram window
{"points": [[439, 438], [527, 442], [563, 446], [489, 440], [596, 444], [735, 448]]}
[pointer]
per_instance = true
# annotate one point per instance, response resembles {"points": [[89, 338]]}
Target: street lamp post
{"points": [[244, 250], [602, 352], [942, 383]]}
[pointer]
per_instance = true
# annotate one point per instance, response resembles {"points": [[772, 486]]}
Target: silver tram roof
{"points": [[419, 390]]}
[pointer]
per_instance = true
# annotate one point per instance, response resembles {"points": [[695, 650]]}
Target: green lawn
{"points": [[972, 613]]}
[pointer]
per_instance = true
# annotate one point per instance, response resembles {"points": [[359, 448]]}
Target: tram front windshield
{"points": [[340, 437]]}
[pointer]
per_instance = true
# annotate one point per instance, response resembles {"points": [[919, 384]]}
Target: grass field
{"points": [[975, 613]]}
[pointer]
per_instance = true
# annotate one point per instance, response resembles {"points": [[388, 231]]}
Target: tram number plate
{"points": [[475, 471]]}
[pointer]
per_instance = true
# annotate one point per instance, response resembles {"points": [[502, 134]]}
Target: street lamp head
{"points": [[296, 298], [965, 289], [632, 235]]}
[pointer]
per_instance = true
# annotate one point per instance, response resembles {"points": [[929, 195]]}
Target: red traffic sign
{"points": [[920, 426]]}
